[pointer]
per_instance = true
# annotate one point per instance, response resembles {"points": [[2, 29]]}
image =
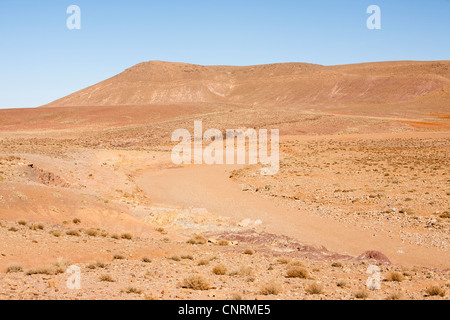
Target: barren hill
{"points": [[287, 84]]}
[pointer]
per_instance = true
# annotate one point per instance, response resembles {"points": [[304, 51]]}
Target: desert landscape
{"points": [[364, 180]]}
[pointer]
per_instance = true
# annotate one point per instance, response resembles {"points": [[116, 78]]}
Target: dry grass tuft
{"points": [[106, 278], [196, 282], [362, 294], [270, 288], [301, 273], [126, 236], [219, 270], [436, 291], [395, 277], [314, 288], [15, 268], [197, 240]]}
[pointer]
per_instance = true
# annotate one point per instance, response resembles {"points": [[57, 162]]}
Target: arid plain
{"points": [[364, 180]]}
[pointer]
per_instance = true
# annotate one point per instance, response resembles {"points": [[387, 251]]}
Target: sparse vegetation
{"points": [[126, 236], [73, 233], [435, 290], [106, 278], [196, 282], [219, 270], [395, 277], [297, 272], [270, 288], [197, 240], [314, 288], [15, 268], [362, 294]]}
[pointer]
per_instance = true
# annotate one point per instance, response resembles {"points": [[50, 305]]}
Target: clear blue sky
{"points": [[41, 60]]}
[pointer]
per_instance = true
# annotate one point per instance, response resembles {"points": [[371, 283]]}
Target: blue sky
{"points": [[41, 60]]}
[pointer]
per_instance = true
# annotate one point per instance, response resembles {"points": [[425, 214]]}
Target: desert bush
{"points": [[284, 261], [314, 288], [146, 260], [56, 233], [196, 282], [106, 278], [223, 243], [126, 236], [341, 284], [92, 232], [249, 252], [174, 258], [197, 240], [270, 288], [73, 233], [203, 262], [76, 221], [22, 223], [395, 277], [435, 290], [362, 294], [133, 290], [118, 257], [336, 265], [14, 268], [301, 273], [243, 272], [219, 270]]}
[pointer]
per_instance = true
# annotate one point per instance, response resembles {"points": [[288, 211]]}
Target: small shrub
{"points": [[133, 290], [187, 257], [196, 282], [56, 233], [219, 270], [203, 262], [13, 229], [270, 288], [126, 236], [341, 284], [22, 223], [314, 288], [336, 265], [146, 260], [249, 252], [92, 233], [174, 258], [301, 273], [118, 257], [362, 294], [435, 291], [395, 277], [284, 261], [73, 233], [14, 268], [76, 221], [106, 278], [197, 240], [115, 236], [46, 270], [223, 243]]}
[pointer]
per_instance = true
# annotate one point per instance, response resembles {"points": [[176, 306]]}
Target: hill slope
{"points": [[286, 84]]}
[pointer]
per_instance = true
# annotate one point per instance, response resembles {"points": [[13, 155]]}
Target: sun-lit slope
{"points": [[285, 84]]}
